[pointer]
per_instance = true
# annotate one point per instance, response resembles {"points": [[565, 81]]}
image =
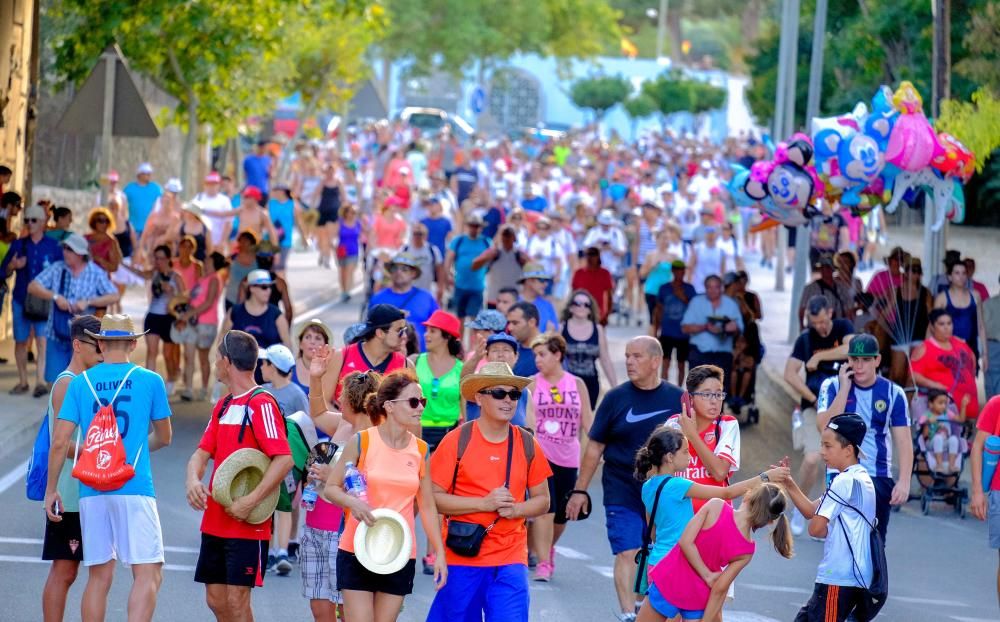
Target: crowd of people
{"points": [[477, 392]]}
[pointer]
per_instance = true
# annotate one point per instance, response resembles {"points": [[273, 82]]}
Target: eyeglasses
{"points": [[101, 221], [91, 343], [581, 303], [715, 397], [265, 286], [499, 394], [412, 401], [32, 220]]}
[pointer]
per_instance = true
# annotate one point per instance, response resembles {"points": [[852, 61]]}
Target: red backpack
{"points": [[101, 463]]}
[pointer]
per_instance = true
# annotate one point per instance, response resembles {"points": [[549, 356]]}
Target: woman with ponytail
{"points": [[667, 452], [717, 544]]}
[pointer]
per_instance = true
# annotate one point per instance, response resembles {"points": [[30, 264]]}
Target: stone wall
{"points": [[16, 73]]}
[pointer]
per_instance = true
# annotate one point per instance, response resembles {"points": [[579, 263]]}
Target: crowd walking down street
{"points": [[524, 382]]}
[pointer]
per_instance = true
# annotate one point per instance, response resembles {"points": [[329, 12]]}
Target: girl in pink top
{"points": [[692, 580], [203, 315], [562, 417], [389, 226]]}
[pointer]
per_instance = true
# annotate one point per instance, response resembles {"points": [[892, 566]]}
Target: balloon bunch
{"points": [[784, 187]]}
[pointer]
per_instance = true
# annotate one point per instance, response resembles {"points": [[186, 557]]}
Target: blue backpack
{"points": [[38, 463]]}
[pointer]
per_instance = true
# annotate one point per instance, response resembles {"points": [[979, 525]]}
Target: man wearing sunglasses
{"points": [[481, 472], [27, 257], [418, 303], [375, 349]]}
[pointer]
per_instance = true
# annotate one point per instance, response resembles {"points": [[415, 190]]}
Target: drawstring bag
{"points": [[101, 463]]}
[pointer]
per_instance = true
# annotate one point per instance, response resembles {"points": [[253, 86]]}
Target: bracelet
{"points": [[764, 477]]}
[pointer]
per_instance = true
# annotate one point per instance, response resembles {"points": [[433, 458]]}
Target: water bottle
{"points": [[354, 482], [796, 419], [309, 495]]}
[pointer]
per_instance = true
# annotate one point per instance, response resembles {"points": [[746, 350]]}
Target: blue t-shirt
{"points": [[535, 204], [466, 249], [699, 311], [525, 364], [283, 216], [672, 512], [40, 255], [492, 220], [548, 319], [437, 232], [256, 169], [142, 400], [419, 303], [141, 200], [673, 309]]}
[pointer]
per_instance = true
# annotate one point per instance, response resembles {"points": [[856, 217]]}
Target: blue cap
{"points": [[502, 338]]}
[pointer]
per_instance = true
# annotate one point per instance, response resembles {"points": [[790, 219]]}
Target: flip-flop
{"points": [[19, 389], [40, 391]]}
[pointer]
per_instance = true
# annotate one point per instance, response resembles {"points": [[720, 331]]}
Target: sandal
{"points": [[40, 390], [19, 389]]}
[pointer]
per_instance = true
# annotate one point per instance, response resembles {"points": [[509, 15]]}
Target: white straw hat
{"points": [[241, 472], [385, 547]]}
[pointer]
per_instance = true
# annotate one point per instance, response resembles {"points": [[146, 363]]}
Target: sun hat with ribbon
{"points": [[115, 327], [491, 375], [385, 547], [240, 473]]}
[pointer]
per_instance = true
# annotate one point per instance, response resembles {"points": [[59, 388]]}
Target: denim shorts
{"points": [[468, 302], [22, 325], [625, 528], [668, 610]]}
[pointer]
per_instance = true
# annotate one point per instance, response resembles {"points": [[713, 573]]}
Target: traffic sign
{"points": [[477, 101]]}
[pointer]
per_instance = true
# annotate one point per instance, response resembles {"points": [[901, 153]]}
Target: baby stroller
{"points": [[939, 458], [748, 352], [619, 305], [376, 278]]}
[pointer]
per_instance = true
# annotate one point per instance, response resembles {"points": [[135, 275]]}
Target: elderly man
{"points": [[625, 418], [403, 294], [712, 320], [75, 285], [481, 473], [27, 258]]}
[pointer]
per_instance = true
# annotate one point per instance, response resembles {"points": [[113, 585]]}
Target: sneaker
{"points": [[187, 395], [170, 388], [625, 617], [345, 298], [798, 523], [282, 566], [532, 560], [428, 562], [293, 552], [271, 560], [543, 572]]}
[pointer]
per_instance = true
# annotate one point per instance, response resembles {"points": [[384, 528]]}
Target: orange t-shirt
{"points": [[482, 469], [393, 477]]}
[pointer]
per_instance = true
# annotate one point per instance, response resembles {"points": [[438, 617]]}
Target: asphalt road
{"points": [[940, 567]]}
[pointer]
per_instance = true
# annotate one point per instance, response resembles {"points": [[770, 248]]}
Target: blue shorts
{"points": [[22, 325], [669, 611], [57, 356], [625, 528], [499, 592], [468, 302]]}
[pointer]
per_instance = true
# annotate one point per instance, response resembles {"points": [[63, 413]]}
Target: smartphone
{"points": [[686, 403], [56, 508]]}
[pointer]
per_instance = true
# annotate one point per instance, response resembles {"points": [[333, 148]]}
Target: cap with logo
{"points": [[503, 338], [863, 345], [213, 178], [259, 277]]}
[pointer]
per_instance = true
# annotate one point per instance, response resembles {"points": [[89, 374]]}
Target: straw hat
{"points": [[385, 547], [178, 304], [116, 327], [196, 209], [491, 375], [317, 324], [240, 473]]}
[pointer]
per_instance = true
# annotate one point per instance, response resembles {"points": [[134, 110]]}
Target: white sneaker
{"points": [[798, 523], [170, 388]]}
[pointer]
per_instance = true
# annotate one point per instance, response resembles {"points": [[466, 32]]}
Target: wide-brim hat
{"points": [[239, 474], [403, 259], [488, 319], [317, 324], [195, 209], [115, 327], [491, 375], [534, 271], [385, 547], [446, 323]]}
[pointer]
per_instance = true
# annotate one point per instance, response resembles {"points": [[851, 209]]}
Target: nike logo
{"points": [[633, 418]]}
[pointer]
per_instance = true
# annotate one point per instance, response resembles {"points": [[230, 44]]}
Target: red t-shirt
{"points": [[596, 282], [266, 432], [727, 448], [987, 422], [355, 360]]}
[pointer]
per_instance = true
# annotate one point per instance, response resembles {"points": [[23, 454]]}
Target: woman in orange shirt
{"points": [[395, 464], [389, 226]]}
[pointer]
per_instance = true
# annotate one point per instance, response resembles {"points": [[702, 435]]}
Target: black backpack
{"points": [[878, 589]]}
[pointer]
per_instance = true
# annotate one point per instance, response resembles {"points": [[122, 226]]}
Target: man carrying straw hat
{"points": [[246, 425], [121, 524], [481, 472]]}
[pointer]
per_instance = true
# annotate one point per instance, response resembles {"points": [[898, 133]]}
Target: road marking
{"points": [[15, 475], [929, 601], [24, 559], [604, 571], [569, 553], [746, 616], [167, 549], [326, 306], [775, 588], [963, 619]]}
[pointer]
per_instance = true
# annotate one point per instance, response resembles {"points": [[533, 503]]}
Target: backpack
{"points": [[364, 440], [878, 589], [38, 463], [465, 436], [102, 465]]}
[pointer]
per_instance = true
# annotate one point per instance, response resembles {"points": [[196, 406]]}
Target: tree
{"points": [[600, 93], [639, 107], [983, 37], [672, 92]]}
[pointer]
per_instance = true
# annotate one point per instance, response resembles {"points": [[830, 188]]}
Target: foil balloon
{"points": [[912, 142], [941, 190], [735, 186], [955, 159], [883, 117], [787, 182], [850, 157]]}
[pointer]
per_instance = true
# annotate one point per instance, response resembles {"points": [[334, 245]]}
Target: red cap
{"points": [[446, 323], [213, 178], [113, 175], [395, 200], [253, 192]]}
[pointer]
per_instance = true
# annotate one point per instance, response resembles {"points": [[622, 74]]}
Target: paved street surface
{"points": [[941, 567]]}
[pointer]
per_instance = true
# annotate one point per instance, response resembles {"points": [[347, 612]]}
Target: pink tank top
{"points": [[718, 546], [558, 416], [200, 293], [325, 516]]}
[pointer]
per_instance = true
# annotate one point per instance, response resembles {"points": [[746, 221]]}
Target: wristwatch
{"points": [[55, 297], [763, 477]]}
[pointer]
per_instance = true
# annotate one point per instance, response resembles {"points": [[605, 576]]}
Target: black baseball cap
{"points": [[863, 345], [381, 316], [851, 426]]}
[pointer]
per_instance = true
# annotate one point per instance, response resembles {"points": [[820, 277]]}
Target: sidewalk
{"points": [[311, 287]]}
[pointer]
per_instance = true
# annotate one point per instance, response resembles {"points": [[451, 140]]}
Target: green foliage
{"points": [[600, 93], [976, 124], [983, 37], [673, 92], [640, 106]]}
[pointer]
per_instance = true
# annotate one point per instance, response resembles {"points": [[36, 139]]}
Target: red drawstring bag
{"points": [[101, 463]]}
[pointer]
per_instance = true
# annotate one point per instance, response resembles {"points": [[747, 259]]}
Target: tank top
{"points": [[158, 304], [125, 240], [100, 248], [329, 200], [355, 360], [263, 327], [718, 546], [503, 272], [393, 477], [954, 368], [581, 356], [347, 243], [662, 273], [199, 242], [68, 487], [558, 413], [965, 320], [189, 275], [199, 294], [442, 393], [647, 241]]}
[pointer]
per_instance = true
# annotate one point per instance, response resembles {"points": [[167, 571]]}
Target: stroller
{"points": [[376, 278], [940, 483]]}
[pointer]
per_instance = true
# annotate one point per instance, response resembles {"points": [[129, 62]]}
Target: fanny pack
{"points": [[465, 538]]}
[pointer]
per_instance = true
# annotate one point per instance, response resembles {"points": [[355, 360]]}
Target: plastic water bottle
{"points": [[309, 495], [796, 419], [354, 482]]}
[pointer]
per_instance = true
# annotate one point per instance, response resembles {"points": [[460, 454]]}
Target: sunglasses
{"points": [[262, 286], [101, 221], [32, 220], [581, 303], [412, 401], [499, 394]]}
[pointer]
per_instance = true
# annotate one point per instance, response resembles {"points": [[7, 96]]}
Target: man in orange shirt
{"points": [[481, 472]]}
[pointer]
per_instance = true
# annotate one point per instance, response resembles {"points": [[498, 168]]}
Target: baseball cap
{"points": [[382, 315], [259, 277], [173, 185], [474, 218], [37, 212], [502, 338], [863, 345], [488, 319], [76, 243], [678, 264], [280, 356], [606, 217], [253, 192], [144, 169], [213, 178], [112, 175], [851, 426]]}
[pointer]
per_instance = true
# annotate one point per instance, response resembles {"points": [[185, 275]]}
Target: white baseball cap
{"points": [[174, 185], [144, 169], [278, 355]]}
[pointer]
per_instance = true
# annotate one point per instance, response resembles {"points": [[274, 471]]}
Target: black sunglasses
{"points": [[32, 220], [499, 394], [262, 286], [412, 401], [581, 303]]}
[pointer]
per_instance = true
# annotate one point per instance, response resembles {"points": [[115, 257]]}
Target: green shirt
{"points": [[69, 488], [442, 393]]}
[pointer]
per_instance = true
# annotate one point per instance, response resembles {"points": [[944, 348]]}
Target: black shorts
{"points": [[231, 561], [834, 603], [563, 481], [159, 325], [351, 575], [326, 217], [432, 435], [63, 540], [669, 344]]}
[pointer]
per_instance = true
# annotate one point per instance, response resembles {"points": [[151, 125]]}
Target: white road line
{"points": [[929, 601], [167, 549], [23, 559], [15, 475], [568, 553], [746, 616], [604, 571], [323, 308], [964, 619], [775, 588]]}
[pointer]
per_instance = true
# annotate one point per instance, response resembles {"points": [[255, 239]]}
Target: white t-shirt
{"points": [[216, 224], [687, 217], [709, 263], [615, 239], [854, 486], [548, 252]]}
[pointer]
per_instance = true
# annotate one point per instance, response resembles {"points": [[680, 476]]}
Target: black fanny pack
{"points": [[465, 538]]}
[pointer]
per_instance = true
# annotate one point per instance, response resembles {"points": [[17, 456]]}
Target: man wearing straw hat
{"points": [[481, 472], [235, 539], [118, 524]]}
